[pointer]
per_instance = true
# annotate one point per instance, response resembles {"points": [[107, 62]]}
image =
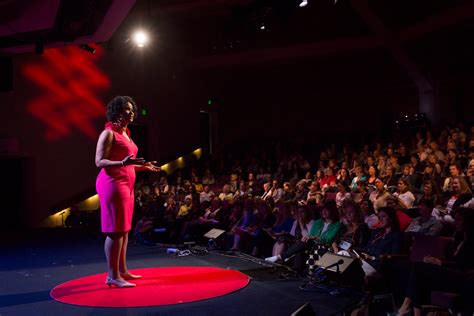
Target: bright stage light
{"points": [[303, 3], [140, 38]]}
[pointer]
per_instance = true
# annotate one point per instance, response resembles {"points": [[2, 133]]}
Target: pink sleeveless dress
{"points": [[115, 186]]}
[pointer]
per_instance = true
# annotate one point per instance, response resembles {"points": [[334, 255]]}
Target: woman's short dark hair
{"points": [[371, 209], [116, 106], [392, 216]]}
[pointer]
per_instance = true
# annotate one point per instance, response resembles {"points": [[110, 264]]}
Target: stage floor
{"points": [[32, 263]]}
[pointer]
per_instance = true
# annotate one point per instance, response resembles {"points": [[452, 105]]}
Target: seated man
{"points": [[426, 224]]}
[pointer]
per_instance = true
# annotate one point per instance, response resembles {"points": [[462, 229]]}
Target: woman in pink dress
{"points": [[116, 156]]}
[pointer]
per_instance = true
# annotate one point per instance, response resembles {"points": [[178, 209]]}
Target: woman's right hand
{"points": [[132, 161]]}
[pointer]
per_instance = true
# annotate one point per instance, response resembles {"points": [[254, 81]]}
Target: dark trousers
{"points": [[425, 278], [298, 250]]}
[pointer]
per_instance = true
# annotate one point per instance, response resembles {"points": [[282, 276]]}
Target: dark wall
{"points": [[62, 168]]}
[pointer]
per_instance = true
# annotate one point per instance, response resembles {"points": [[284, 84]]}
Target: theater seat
{"points": [[446, 300], [429, 245]]}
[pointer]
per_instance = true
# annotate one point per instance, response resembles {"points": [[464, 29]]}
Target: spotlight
{"points": [[303, 3], [140, 38], [87, 48], [262, 27]]}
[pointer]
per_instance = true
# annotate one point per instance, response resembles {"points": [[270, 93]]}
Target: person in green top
{"points": [[324, 231]]}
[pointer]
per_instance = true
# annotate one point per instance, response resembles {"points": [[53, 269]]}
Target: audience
{"points": [[388, 187]]}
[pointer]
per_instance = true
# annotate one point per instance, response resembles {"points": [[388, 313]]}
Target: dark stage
{"points": [[32, 264]]}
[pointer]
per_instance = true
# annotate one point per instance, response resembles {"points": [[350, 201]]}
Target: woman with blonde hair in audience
{"points": [[460, 194], [359, 176]]}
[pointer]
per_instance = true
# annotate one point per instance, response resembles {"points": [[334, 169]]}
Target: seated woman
{"points": [[379, 196], [403, 219], [323, 232], [384, 241], [342, 194], [264, 221], [361, 193], [368, 214], [355, 232], [372, 175], [404, 195], [436, 274], [459, 195], [241, 228], [280, 230], [208, 220], [301, 228]]}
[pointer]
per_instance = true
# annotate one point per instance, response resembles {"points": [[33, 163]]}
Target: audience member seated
{"points": [[315, 193], [379, 196], [270, 228], [206, 195], [403, 219], [342, 194], [208, 178], [372, 175], [288, 192], [428, 193], [384, 241], [242, 229], [404, 195], [226, 193], [361, 192], [391, 179], [323, 232], [460, 194], [454, 171], [444, 274], [276, 192], [301, 228], [301, 193], [426, 224], [355, 233], [359, 176], [368, 214]]}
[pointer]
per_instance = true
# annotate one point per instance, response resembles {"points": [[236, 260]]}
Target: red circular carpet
{"points": [[159, 286]]}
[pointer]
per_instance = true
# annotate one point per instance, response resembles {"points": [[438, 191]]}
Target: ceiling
{"points": [[402, 41], [29, 25]]}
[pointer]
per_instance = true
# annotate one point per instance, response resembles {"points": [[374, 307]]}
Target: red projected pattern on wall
{"points": [[70, 80]]}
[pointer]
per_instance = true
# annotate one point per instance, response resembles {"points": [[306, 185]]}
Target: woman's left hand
{"points": [[151, 167]]}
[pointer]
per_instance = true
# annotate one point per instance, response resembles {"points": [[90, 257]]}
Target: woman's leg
{"points": [[123, 255], [112, 248], [425, 278], [278, 248], [297, 247]]}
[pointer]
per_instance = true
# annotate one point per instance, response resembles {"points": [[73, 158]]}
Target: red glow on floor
{"points": [[70, 80], [159, 286]]}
